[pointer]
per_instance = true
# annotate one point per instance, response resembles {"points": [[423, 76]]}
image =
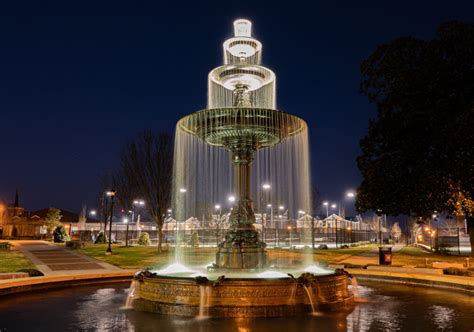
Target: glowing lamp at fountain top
{"points": [[242, 28]]}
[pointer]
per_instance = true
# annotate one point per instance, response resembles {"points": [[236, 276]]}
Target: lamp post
{"points": [[104, 211], [271, 213], [125, 221], [326, 204], [266, 187], [333, 206], [111, 194], [280, 208], [349, 195], [219, 216], [289, 229], [379, 216], [431, 231]]}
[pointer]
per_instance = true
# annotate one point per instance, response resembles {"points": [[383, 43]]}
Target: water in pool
{"points": [[101, 308]]}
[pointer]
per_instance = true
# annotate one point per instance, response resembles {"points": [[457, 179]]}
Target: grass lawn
{"points": [[416, 256], [12, 261], [139, 257]]}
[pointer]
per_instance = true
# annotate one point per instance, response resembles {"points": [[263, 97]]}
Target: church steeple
{"points": [[17, 201]]}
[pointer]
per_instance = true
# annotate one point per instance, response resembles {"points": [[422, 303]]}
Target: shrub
{"points": [[194, 242], [75, 244], [444, 249], [5, 245], [344, 246], [144, 239], [354, 266], [32, 272], [455, 271], [60, 234], [101, 238], [323, 246]]}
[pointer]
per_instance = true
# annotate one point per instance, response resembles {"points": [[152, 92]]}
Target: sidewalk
{"points": [[57, 260]]}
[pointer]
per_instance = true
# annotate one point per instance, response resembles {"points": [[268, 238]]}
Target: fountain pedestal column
{"points": [[241, 248]]}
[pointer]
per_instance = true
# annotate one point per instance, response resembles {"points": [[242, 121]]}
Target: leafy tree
{"points": [[194, 241], [101, 238], [417, 156], [60, 235], [144, 239], [53, 218]]}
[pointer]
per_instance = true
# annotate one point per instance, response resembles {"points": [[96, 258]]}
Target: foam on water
{"points": [[175, 268], [317, 270], [272, 274]]}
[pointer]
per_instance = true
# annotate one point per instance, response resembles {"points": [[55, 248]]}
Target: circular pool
{"points": [[101, 307]]}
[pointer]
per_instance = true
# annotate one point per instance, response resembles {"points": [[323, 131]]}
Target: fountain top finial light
{"points": [[242, 28]]}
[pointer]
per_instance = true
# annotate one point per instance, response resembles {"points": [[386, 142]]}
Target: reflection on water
{"points": [[100, 308], [442, 316]]}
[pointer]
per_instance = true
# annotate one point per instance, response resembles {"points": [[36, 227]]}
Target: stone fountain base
{"points": [[241, 297]]}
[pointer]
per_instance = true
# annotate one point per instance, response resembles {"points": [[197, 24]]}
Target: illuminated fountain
{"points": [[241, 120]]}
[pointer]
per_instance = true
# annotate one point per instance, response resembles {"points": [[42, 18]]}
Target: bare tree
{"points": [[316, 201], [413, 227], [449, 226], [217, 224], [396, 232], [124, 183], [147, 170]]}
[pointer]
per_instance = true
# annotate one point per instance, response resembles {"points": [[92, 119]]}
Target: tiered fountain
{"points": [[241, 118]]}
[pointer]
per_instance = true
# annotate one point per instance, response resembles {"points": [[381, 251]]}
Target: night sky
{"points": [[77, 79]]}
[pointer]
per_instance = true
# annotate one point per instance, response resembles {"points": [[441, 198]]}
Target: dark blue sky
{"points": [[79, 78]]}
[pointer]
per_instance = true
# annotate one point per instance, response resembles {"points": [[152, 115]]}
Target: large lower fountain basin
{"points": [[240, 297]]}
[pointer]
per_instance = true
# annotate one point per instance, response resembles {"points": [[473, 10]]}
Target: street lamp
{"points": [[350, 194], [266, 186], [93, 213], [111, 194], [231, 199]]}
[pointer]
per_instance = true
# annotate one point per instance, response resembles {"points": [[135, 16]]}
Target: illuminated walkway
{"points": [[52, 259]]}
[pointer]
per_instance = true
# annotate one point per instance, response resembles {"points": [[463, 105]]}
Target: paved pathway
{"points": [[52, 259]]}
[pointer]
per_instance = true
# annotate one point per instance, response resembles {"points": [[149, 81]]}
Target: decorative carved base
{"points": [[241, 297], [241, 256]]}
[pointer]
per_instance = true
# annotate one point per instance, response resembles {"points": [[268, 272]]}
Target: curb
{"points": [[32, 284], [464, 284]]}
